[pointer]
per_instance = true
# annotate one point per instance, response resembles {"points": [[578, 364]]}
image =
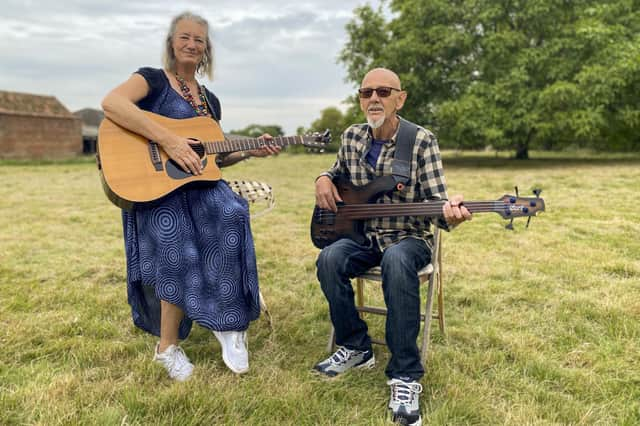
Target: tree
{"points": [[330, 118], [513, 74]]}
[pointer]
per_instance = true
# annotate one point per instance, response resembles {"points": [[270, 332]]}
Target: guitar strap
{"points": [[405, 141]]}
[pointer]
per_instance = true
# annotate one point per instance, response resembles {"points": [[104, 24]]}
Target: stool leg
{"points": [[427, 321], [359, 295], [331, 345], [440, 293], [441, 305]]}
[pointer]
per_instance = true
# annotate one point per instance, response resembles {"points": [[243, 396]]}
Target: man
{"points": [[400, 245]]}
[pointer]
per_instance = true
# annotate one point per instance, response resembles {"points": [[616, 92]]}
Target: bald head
{"points": [[384, 76]]}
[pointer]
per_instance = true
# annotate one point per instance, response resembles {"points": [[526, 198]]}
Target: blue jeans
{"points": [[400, 263]]}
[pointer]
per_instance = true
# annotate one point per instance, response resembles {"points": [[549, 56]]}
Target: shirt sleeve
{"points": [[431, 173], [155, 79]]}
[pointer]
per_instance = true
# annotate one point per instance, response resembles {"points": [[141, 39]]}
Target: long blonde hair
{"points": [[205, 67]]}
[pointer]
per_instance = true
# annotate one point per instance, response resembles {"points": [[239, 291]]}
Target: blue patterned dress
{"points": [[194, 248]]}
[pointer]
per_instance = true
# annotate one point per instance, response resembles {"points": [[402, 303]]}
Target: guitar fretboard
{"points": [[430, 209], [251, 143]]}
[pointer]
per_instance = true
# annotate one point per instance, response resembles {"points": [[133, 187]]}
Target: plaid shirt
{"points": [[426, 181]]}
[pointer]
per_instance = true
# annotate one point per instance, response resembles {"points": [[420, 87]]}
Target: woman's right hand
{"points": [[180, 151]]}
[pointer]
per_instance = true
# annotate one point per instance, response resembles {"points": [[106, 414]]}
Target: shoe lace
{"points": [[404, 393], [341, 356], [178, 360]]}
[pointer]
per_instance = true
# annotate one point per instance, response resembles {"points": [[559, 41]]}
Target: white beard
{"points": [[374, 124]]}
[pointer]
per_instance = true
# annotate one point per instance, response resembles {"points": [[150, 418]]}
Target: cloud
{"points": [[275, 60]]}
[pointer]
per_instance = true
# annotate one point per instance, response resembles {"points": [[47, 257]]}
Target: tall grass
{"points": [[543, 324]]}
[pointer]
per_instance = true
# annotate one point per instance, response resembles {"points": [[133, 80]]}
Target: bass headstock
{"points": [[513, 206], [516, 206]]}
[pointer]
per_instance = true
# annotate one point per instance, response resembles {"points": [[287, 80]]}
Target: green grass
{"points": [[543, 324]]}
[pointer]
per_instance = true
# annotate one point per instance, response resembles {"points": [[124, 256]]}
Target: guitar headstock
{"points": [[514, 206], [318, 140]]}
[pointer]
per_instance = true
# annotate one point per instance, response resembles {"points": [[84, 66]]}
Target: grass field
{"points": [[543, 323]]}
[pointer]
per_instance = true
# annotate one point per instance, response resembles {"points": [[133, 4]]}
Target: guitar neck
{"points": [[429, 209], [247, 144]]}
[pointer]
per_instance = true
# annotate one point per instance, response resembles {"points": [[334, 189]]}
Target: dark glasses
{"points": [[382, 92]]}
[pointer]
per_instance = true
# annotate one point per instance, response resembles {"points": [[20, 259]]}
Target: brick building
{"points": [[35, 126]]}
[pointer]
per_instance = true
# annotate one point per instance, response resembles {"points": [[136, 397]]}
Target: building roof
{"points": [[90, 116], [16, 103]]}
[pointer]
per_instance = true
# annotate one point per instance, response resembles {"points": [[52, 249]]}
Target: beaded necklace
{"points": [[186, 93]]}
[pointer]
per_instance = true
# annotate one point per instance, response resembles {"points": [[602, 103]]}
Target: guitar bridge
{"points": [[154, 153]]}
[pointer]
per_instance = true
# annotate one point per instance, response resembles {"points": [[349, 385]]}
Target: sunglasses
{"points": [[382, 92]]}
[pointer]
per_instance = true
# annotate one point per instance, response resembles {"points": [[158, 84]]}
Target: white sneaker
{"points": [[175, 361], [234, 350]]}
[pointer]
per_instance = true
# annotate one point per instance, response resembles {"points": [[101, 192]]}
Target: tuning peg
{"points": [[537, 191], [509, 225], [326, 136]]}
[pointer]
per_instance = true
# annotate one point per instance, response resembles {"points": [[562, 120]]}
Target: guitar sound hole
{"points": [[198, 148], [177, 172]]}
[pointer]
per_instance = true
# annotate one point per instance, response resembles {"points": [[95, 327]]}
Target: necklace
{"points": [[186, 94]]}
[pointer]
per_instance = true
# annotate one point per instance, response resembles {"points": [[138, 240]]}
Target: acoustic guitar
{"points": [[359, 204], [136, 171]]}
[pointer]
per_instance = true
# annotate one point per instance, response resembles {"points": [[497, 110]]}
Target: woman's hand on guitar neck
{"points": [[267, 149], [180, 151], [327, 194]]}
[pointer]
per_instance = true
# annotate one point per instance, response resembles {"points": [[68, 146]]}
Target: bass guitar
{"points": [[359, 204], [135, 170]]}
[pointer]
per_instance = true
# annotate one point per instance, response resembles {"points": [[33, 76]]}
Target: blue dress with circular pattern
{"points": [[194, 247]]}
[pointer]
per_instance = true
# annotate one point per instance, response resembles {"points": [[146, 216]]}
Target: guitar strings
{"points": [[215, 147], [355, 210]]}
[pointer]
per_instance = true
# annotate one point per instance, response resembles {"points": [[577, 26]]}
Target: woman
{"points": [[190, 257]]}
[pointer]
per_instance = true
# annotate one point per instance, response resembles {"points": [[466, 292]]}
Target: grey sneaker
{"points": [[175, 361], [343, 359], [404, 403]]}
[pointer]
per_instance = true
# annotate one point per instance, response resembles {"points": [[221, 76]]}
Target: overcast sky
{"points": [[275, 60]]}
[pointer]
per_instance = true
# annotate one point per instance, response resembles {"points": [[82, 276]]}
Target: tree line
{"points": [[507, 74]]}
